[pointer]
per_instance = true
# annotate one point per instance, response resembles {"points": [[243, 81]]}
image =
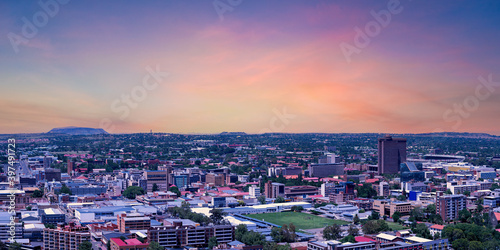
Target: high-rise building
{"points": [[52, 174], [160, 178], [391, 153], [47, 161], [448, 206], [274, 189], [215, 179], [70, 167], [254, 191]]}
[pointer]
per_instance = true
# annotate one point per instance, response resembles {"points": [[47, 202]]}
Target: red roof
{"points": [[363, 239], [135, 242], [438, 227], [129, 242], [371, 180], [81, 177], [118, 241], [497, 216]]}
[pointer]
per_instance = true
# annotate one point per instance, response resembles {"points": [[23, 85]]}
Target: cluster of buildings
{"points": [[82, 204]]}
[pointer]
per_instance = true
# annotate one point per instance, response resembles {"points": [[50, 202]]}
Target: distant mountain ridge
{"points": [[459, 134], [78, 131]]}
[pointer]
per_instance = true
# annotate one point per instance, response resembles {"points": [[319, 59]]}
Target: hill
{"points": [[78, 131]]}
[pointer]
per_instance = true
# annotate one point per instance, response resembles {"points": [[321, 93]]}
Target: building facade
{"points": [[67, 238], [179, 235], [391, 153], [448, 206], [127, 222]]}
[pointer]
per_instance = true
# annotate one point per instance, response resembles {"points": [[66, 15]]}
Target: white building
{"points": [[254, 191]]}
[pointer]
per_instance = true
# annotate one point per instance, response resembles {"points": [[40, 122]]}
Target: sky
{"points": [[250, 65]]}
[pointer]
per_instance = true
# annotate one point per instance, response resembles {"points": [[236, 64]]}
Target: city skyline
{"points": [[256, 67]]}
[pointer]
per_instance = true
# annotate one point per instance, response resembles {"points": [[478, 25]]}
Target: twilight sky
{"points": [[258, 66]]}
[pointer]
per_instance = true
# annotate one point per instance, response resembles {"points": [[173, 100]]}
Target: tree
{"points": [[276, 234], [332, 232], [395, 216], [366, 191], [240, 231], [65, 190], [153, 245], [284, 234], [297, 208], [3, 246], [86, 245], [252, 238], [375, 226], [274, 246], [15, 246], [421, 230], [175, 190], [262, 199], [356, 219], [279, 199], [475, 245], [349, 238], [37, 194], [448, 191], [212, 242], [374, 216], [460, 244], [353, 230], [464, 215], [217, 216], [132, 191], [417, 214], [155, 187]]}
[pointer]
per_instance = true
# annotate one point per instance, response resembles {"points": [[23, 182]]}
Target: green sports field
{"points": [[300, 220], [396, 226]]}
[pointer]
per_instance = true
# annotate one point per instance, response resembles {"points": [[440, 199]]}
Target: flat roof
{"points": [[417, 239], [52, 211], [386, 236]]}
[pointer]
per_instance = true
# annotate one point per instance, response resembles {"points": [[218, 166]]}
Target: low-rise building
{"points": [[65, 238], [129, 244], [132, 221]]}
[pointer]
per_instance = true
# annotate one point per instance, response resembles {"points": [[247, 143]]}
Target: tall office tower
{"points": [[391, 153], [70, 167], [160, 178], [47, 161]]}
